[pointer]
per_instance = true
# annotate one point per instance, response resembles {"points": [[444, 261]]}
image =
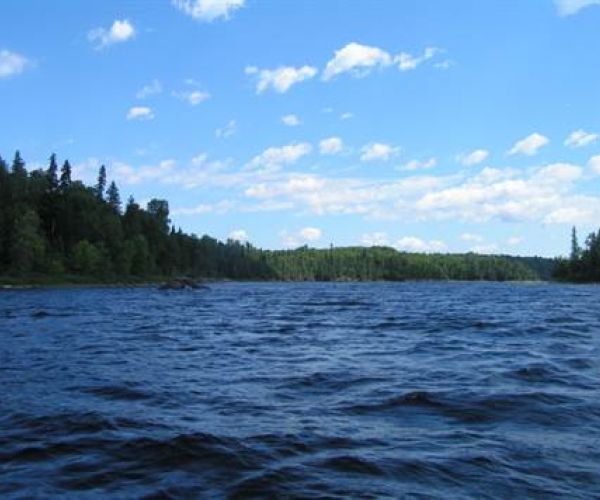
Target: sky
{"points": [[426, 125]]}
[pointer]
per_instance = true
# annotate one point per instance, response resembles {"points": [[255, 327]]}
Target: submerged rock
{"points": [[182, 284]]}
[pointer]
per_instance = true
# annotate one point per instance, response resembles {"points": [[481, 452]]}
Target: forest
{"points": [[56, 229], [583, 264]]}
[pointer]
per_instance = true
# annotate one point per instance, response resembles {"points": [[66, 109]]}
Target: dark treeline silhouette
{"points": [[54, 226], [583, 264]]}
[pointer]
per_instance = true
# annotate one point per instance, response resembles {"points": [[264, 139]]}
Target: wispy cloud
{"points": [[530, 145], [140, 113], [153, 88], [12, 64], [571, 7]]}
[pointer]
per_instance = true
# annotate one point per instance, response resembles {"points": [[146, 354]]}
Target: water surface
{"points": [[442, 390]]}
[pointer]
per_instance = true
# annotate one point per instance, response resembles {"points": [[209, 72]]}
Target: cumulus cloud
{"points": [[571, 7], [238, 235], [311, 233], [474, 157], [227, 131], [119, 32], [12, 63], [153, 88], [280, 79], [208, 10], [530, 145], [331, 146], [377, 151], [580, 138], [140, 113], [273, 158], [419, 164], [376, 239], [357, 59], [414, 244], [290, 120], [594, 164]]}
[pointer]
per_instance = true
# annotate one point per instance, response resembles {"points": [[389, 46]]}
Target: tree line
{"points": [[54, 226], [583, 264]]}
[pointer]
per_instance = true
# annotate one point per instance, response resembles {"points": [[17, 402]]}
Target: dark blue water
{"points": [[300, 390]]}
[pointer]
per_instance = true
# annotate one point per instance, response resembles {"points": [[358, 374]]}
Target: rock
{"points": [[181, 284]]}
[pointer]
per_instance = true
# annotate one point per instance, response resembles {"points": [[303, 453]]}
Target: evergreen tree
{"points": [[18, 165], [27, 248], [575, 248], [101, 184], [113, 197], [52, 173], [65, 175]]}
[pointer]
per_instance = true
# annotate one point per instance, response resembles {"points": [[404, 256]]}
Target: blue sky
{"points": [[424, 125]]}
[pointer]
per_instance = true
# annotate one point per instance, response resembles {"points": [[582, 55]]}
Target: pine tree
{"points": [[101, 185], [65, 175], [52, 173], [113, 197], [18, 165], [575, 248]]}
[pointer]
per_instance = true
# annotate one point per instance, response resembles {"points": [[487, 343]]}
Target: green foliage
{"points": [[51, 225], [583, 264]]}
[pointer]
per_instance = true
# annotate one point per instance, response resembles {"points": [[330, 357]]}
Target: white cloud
{"points": [[474, 157], [485, 249], [311, 234], [208, 10], [414, 244], [570, 7], [513, 241], [192, 97], [153, 88], [280, 79], [238, 235], [419, 164], [219, 208], [273, 158], [445, 64], [357, 59], [376, 239], [377, 151], [290, 120], [346, 116], [331, 146], [594, 164], [12, 63], [227, 131], [471, 238], [407, 61], [127, 174], [529, 145], [360, 60], [293, 240], [140, 113], [580, 138], [119, 32]]}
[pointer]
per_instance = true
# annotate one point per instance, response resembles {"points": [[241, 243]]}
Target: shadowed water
{"points": [[442, 390]]}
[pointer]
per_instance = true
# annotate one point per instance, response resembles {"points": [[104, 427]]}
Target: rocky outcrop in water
{"points": [[182, 284]]}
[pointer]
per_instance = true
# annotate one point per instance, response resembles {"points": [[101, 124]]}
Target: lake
{"points": [[440, 390]]}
